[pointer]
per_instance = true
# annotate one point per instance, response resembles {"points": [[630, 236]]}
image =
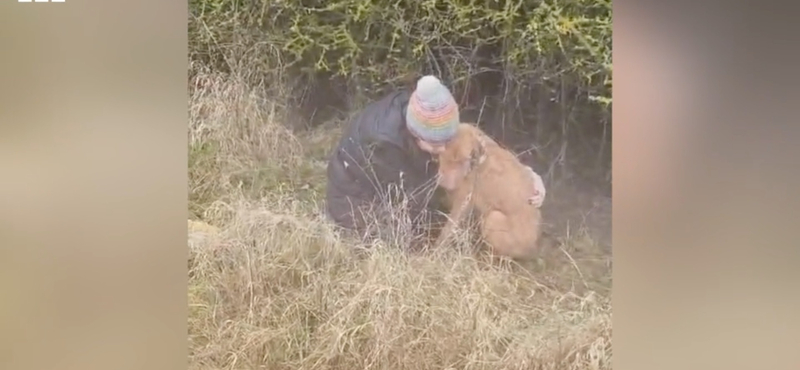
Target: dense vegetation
{"points": [[273, 286], [326, 57]]}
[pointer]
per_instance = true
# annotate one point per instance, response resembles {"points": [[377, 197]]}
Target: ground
{"points": [[272, 286]]}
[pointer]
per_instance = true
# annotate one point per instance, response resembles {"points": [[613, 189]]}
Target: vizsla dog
{"points": [[477, 172]]}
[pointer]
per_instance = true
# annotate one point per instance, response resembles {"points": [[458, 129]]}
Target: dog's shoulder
{"points": [[467, 132]]}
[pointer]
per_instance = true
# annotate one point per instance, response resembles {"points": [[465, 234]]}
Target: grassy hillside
{"points": [[273, 287]]}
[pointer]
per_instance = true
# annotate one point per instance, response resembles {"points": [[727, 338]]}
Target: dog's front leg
{"points": [[460, 204]]}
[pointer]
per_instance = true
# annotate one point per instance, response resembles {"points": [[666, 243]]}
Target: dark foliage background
{"points": [[535, 73]]}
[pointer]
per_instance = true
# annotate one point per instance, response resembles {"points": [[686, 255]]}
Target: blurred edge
{"points": [[703, 211], [93, 197], [728, 275]]}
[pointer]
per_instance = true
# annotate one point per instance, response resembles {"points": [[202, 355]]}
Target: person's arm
{"points": [[389, 165], [373, 136]]}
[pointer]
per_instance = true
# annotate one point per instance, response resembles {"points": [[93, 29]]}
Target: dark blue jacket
{"points": [[377, 153]]}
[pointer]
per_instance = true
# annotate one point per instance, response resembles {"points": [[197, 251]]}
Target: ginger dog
{"points": [[477, 172]]}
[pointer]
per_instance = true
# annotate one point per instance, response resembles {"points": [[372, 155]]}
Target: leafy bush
{"points": [[502, 49]]}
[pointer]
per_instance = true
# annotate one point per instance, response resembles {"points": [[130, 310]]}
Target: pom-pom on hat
{"points": [[432, 113]]}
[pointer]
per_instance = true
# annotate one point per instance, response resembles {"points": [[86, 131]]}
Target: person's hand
{"points": [[537, 198], [433, 149]]}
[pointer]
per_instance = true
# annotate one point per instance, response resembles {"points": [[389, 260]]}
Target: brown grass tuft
{"points": [[273, 286]]}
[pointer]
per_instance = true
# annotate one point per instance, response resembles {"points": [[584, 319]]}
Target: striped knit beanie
{"points": [[432, 113]]}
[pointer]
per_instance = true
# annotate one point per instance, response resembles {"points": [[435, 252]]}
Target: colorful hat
{"points": [[432, 113]]}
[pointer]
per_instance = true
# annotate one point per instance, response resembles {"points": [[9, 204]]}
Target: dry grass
{"points": [[272, 286]]}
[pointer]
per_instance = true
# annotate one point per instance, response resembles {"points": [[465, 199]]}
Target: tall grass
{"points": [[274, 286]]}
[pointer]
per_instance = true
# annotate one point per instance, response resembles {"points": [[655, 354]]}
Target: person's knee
{"points": [[340, 211]]}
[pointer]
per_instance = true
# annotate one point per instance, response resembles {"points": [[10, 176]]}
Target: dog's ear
{"points": [[478, 152]]}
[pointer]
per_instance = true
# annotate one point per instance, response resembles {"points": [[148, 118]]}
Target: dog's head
{"points": [[460, 156]]}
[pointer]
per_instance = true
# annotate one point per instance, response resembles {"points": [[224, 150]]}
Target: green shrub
{"points": [[359, 48]]}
